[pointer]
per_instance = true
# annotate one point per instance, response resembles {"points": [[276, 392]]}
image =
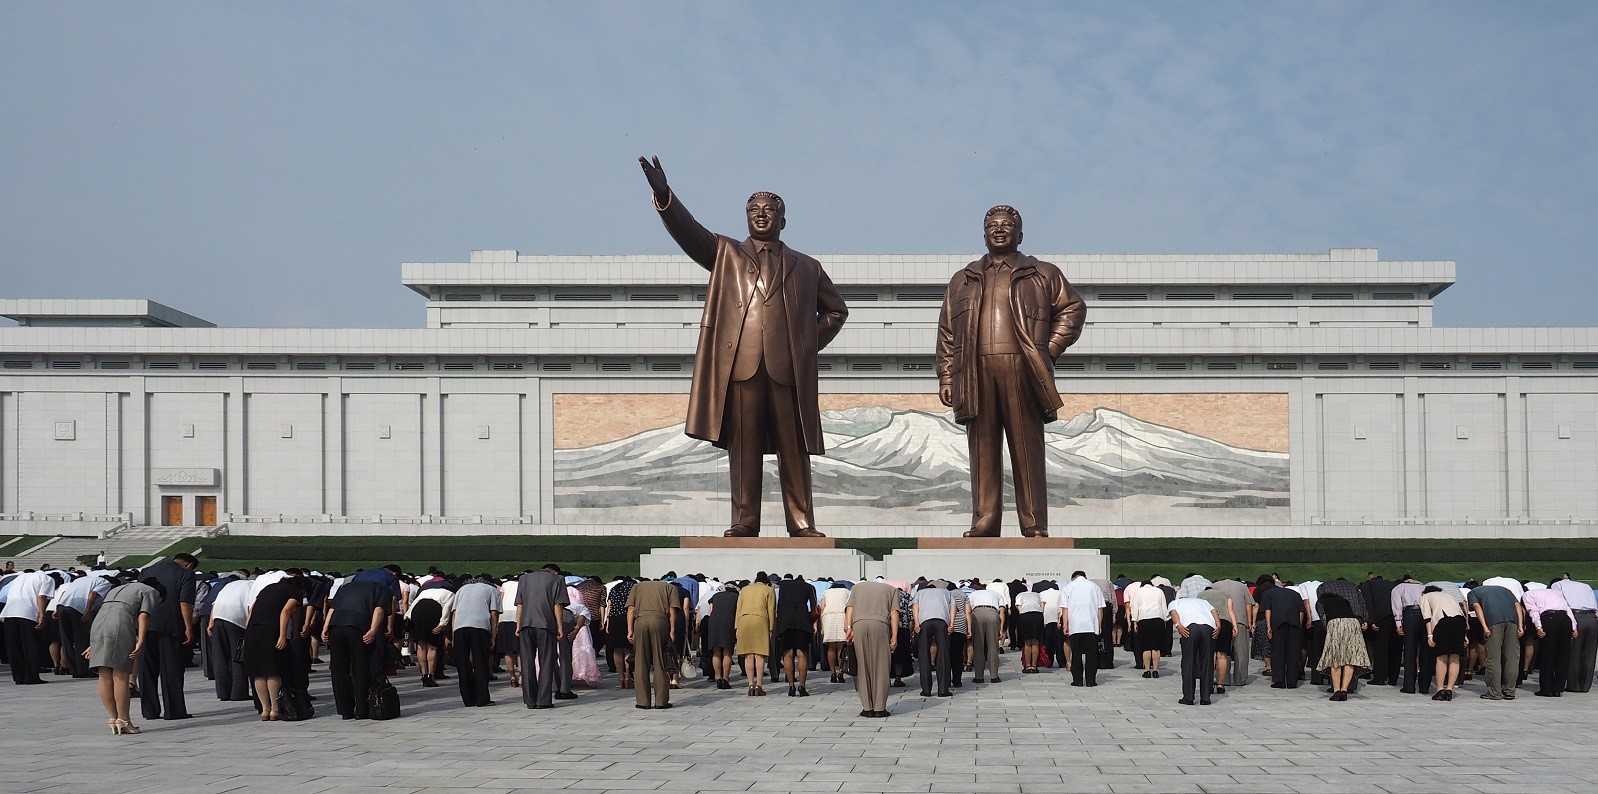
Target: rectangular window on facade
{"points": [[1393, 296], [556, 366], [505, 366], [260, 365], [1384, 365], [459, 366], [1169, 366], [1222, 366], [1331, 366], [665, 366], [1190, 296], [1120, 366], [1486, 365], [1436, 365], [211, 365], [1536, 365], [15, 364], [115, 365], [164, 365], [408, 366], [310, 366], [360, 366], [1123, 296], [1281, 365], [921, 295], [1262, 296], [865, 366], [615, 366]]}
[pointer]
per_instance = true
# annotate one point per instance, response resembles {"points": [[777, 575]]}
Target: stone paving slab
{"points": [[1027, 734]]}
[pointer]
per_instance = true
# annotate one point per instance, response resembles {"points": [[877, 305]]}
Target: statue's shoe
{"points": [[1034, 532], [976, 533], [740, 531], [806, 533]]}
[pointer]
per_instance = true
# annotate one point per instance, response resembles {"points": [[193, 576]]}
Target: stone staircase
{"points": [[63, 551]]}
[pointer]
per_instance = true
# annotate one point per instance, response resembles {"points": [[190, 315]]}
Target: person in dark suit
{"points": [[1381, 631], [1284, 625], [1006, 318], [768, 311], [170, 631]]}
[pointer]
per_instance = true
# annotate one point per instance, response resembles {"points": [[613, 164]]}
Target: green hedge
{"points": [[1200, 551]]}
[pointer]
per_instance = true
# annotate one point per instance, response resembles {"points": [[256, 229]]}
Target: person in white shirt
{"points": [[987, 633], [1146, 611], [225, 632], [1053, 633], [24, 618], [1081, 617], [1029, 628], [505, 640], [73, 606], [1198, 624]]}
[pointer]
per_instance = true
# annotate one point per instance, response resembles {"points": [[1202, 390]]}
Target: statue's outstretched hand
{"points": [[657, 178]]}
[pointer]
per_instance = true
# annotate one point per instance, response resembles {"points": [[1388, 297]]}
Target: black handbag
{"points": [[238, 652], [846, 660], [294, 705], [383, 700]]}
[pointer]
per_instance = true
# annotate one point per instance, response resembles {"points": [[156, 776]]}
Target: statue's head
{"points": [[1001, 229], [766, 216]]}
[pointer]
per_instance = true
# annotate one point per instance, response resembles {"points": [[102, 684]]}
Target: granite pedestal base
{"points": [[742, 558], [992, 558]]}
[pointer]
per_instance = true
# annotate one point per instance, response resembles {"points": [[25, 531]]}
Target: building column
{"points": [[333, 462], [433, 448], [235, 450], [136, 484], [1516, 463], [1414, 454]]}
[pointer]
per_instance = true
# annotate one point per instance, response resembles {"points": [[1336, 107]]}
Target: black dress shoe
{"points": [[947, 694], [995, 679], [664, 706], [1204, 703], [542, 706], [804, 693], [958, 685], [1185, 701], [868, 714], [979, 680], [179, 716], [1278, 685], [1077, 683], [1407, 691], [640, 706], [926, 693], [898, 683]]}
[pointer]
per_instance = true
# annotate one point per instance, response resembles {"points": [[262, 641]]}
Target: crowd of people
{"points": [[258, 634]]}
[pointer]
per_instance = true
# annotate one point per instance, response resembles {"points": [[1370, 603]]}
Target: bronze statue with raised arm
{"points": [[1006, 318], [768, 311]]}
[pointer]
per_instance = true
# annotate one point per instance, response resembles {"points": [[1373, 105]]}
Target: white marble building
{"points": [[1308, 393]]}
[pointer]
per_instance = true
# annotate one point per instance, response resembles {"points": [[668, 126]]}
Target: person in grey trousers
{"points": [[540, 596]]}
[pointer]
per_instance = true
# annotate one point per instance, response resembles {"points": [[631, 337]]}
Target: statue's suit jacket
{"points": [[813, 306], [1048, 314]]}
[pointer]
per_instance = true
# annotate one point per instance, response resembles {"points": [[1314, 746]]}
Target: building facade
{"points": [[1217, 394]]}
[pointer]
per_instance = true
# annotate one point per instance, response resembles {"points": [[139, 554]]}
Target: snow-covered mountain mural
{"points": [[908, 466]]}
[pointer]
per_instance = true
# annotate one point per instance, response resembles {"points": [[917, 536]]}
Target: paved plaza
{"points": [[1031, 733]]}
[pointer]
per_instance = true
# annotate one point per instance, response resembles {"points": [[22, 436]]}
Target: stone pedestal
{"points": [[992, 558], [742, 558]]}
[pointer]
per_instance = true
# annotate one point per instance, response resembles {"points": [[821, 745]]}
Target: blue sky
{"points": [[274, 163]]}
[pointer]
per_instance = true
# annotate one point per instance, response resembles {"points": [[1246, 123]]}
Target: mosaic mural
{"points": [[900, 460]]}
